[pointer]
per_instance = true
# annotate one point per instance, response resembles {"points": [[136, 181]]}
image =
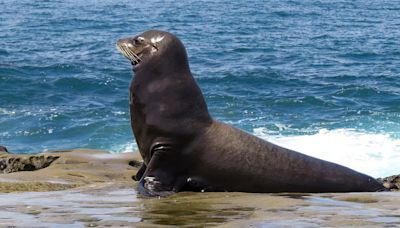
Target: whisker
{"points": [[136, 56], [125, 51], [138, 59], [120, 49], [132, 55], [128, 53]]}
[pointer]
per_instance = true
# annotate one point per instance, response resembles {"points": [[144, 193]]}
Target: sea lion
{"points": [[184, 148]]}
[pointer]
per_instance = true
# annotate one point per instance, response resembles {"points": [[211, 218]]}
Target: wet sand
{"points": [[87, 188]]}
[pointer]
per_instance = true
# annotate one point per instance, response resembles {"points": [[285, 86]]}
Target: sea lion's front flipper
{"points": [[140, 172], [161, 177]]}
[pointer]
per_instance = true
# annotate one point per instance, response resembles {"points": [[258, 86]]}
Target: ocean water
{"points": [[320, 77]]}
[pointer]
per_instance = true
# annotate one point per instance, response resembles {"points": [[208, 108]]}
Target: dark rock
{"points": [[3, 149], [15, 163], [392, 182], [135, 163]]}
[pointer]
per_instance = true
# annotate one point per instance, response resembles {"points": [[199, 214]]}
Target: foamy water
{"points": [[377, 155]]}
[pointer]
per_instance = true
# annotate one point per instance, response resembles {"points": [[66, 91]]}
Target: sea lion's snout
{"points": [[129, 48], [127, 42]]}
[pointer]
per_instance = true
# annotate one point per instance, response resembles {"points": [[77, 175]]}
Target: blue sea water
{"points": [[320, 77]]}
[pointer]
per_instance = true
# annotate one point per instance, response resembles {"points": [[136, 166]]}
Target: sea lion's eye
{"points": [[139, 40]]}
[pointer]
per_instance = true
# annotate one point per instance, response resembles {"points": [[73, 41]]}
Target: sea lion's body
{"points": [[183, 148], [229, 159]]}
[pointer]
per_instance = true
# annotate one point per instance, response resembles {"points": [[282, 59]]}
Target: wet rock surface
{"points": [[118, 205]]}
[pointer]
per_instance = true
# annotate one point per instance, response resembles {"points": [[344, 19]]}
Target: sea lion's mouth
{"points": [[125, 49]]}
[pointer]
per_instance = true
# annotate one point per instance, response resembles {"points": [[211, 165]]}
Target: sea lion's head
{"points": [[154, 48]]}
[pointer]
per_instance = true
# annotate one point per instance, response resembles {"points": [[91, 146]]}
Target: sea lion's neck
{"points": [[171, 102]]}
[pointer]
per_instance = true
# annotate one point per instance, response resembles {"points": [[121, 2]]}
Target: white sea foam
{"points": [[377, 155], [4, 111], [125, 148]]}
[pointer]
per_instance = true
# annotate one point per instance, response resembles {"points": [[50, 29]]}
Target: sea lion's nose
{"points": [[124, 42]]}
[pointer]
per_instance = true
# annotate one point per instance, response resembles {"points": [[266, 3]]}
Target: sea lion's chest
{"points": [[140, 102]]}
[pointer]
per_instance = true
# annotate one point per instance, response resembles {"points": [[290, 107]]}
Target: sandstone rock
{"points": [[58, 170]]}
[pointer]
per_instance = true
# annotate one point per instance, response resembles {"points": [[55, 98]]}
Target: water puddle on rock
{"points": [[120, 206]]}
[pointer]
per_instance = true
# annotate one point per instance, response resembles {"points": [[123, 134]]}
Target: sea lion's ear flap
{"points": [[156, 39], [154, 42]]}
